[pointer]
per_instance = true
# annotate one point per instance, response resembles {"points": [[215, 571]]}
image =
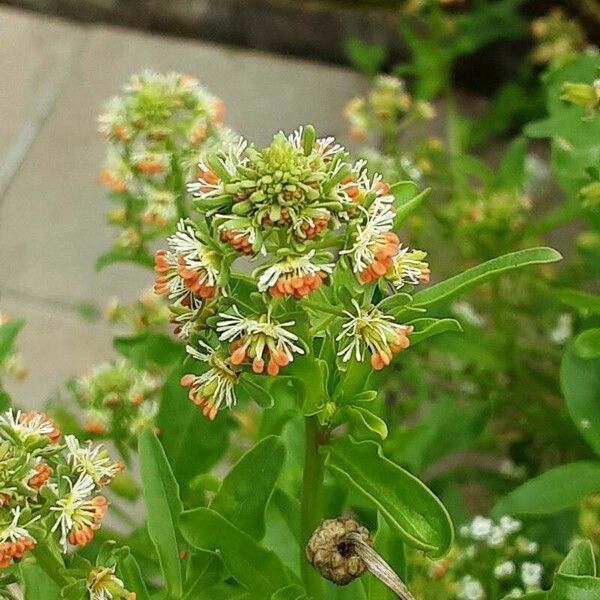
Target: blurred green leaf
{"points": [[247, 488], [163, 507], [426, 328], [129, 572], [368, 58], [580, 300], [149, 348], [450, 288], [580, 383], [587, 345], [8, 334], [553, 491], [249, 563], [580, 560], [410, 508], [140, 257], [291, 592], [365, 420]]}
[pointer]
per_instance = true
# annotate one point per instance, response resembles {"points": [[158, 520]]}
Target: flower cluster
{"points": [[315, 223], [49, 486], [558, 38], [149, 313], [381, 112], [11, 365], [155, 130], [118, 400]]}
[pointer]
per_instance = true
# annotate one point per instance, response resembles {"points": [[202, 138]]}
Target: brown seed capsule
{"points": [[332, 554]]}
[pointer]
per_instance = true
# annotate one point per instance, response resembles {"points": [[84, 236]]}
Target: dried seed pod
{"points": [[332, 554], [342, 550]]}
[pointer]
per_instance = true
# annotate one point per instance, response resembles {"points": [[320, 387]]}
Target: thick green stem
{"points": [[311, 502]]}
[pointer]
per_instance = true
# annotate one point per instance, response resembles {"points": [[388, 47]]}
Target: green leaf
{"points": [[365, 419], [153, 348], [8, 334], [193, 444], [450, 288], [140, 257], [291, 592], [574, 587], [511, 172], [405, 209], [247, 488], [163, 506], [250, 388], [5, 401], [410, 508], [249, 563], [580, 383], [586, 303], [38, 585], [580, 560], [393, 552], [587, 344], [555, 490], [74, 591], [129, 571], [369, 58], [426, 328]]}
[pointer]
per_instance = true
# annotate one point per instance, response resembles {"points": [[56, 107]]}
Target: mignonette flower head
{"points": [[32, 458], [321, 231], [155, 130]]}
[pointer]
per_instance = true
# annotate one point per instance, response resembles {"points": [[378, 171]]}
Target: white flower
{"points": [[481, 528], [510, 525], [215, 388], [257, 336], [28, 427], [496, 537], [13, 532], [77, 512], [373, 331], [531, 574], [91, 460], [374, 243], [526, 546], [470, 588], [504, 570], [408, 267], [563, 330], [295, 275], [515, 593]]}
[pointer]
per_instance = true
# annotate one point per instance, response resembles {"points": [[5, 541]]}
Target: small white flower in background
{"points": [[464, 531], [563, 330], [496, 537], [527, 547], [504, 570], [481, 528], [510, 525], [531, 574], [468, 313], [470, 588], [515, 593]]}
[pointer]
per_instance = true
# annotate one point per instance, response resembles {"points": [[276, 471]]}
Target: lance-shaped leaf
{"points": [[426, 328], [37, 584], [552, 491], [247, 488], [291, 592], [163, 506], [413, 512], [580, 383], [450, 288], [250, 564]]}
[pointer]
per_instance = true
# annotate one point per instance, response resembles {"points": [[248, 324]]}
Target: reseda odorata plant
{"points": [[321, 233]]}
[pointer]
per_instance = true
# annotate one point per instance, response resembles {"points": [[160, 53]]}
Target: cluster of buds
{"points": [[489, 221], [11, 365], [149, 313], [307, 216], [49, 486], [559, 38], [155, 130], [384, 109], [118, 400]]}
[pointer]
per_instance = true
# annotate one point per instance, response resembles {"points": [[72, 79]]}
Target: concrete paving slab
{"points": [[35, 59], [55, 345], [52, 219]]}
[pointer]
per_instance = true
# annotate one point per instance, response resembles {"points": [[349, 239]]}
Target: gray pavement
{"points": [[55, 78]]}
